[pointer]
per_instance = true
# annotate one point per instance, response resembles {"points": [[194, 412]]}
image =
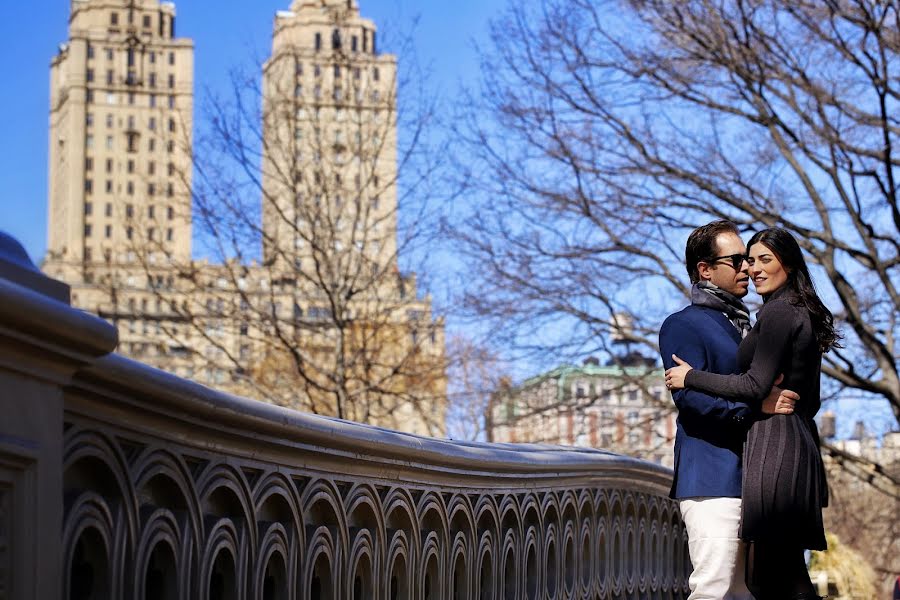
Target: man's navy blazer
{"points": [[711, 430]]}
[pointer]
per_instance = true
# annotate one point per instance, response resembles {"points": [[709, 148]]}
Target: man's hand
{"points": [[779, 401]]}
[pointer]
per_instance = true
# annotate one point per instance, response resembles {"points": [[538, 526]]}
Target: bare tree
{"points": [[299, 210], [866, 518], [474, 374], [604, 131]]}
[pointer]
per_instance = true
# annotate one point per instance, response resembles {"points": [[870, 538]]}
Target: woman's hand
{"points": [[675, 376]]}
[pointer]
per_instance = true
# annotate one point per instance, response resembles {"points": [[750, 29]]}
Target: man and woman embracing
{"points": [[748, 471]]}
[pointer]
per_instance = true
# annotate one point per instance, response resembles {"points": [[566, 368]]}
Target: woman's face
{"points": [[766, 271]]}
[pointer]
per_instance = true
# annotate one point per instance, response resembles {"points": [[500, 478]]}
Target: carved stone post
{"points": [[43, 341]]}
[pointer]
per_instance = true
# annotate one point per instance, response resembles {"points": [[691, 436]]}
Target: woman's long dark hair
{"points": [[786, 248]]}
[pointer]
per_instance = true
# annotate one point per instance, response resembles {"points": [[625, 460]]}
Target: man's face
{"points": [[721, 272]]}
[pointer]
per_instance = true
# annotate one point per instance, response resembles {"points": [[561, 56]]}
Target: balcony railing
{"points": [[121, 481]]}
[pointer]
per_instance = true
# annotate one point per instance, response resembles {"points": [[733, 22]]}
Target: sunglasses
{"points": [[736, 260]]}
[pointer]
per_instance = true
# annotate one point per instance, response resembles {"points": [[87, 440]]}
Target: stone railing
{"points": [[121, 481]]}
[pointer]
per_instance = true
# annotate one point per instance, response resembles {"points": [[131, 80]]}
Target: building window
{"points": [[151, 145], [88, 163], [151, 168], [337, 71], [108, 231], [170, 146], [114, 18], [151, 191], [131, 98], [89, 96], [354, 42], [130, 56], [109, 208], [153, 58], [151, 233], [110, 98], [87, 253], [109, 77], [146, 21], [170, 190], [169, 234], [152, 80], [130, 167], [109, 165], [90, 51], [318, 41], [89, 76], [150, 211], [171, 81], [376, 74], [109, 186], [151, 125], [130, 121], [129, 188], [88, 186], [129, 232], [88, 208], [170, 213], [171, 58], [129, 210], [152, 100], [171, 101], [87, 230], [171, 169], [109, 120]]}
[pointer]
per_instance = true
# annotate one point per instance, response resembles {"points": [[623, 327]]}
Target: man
{"points": [[711, 430]]}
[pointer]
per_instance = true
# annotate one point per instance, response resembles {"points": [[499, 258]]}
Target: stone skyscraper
{"points": [[120, 140], [323, 320]]}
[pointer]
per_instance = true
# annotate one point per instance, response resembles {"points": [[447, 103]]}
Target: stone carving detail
{"points": [[148, 520]]}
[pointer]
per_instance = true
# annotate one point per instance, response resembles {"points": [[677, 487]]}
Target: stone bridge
{"points": [[120, 481]]}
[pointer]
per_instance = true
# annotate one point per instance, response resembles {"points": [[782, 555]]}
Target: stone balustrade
{"points": [[121, 481]]}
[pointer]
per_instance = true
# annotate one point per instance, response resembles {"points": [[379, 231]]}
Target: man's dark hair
{"points": [[701, 245]]}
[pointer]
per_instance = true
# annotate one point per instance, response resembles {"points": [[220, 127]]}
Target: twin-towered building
{"points": [[319, 317]]}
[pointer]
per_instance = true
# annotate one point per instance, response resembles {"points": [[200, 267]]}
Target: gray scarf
{"points": [[712, 296]]}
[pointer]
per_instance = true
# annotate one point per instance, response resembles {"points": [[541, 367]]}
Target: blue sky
{"points": [[239, 33], [237, 36]]}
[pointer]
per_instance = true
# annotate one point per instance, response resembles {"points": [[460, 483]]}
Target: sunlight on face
{"points": [[766, 271]]}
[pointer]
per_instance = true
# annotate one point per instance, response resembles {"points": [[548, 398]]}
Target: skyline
{"points": [[238, 38]]}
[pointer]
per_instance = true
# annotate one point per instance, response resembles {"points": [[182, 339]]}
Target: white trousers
{"points": [[717, 553]]}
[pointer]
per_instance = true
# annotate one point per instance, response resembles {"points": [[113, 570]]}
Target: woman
{"points": [[783, 489]]}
